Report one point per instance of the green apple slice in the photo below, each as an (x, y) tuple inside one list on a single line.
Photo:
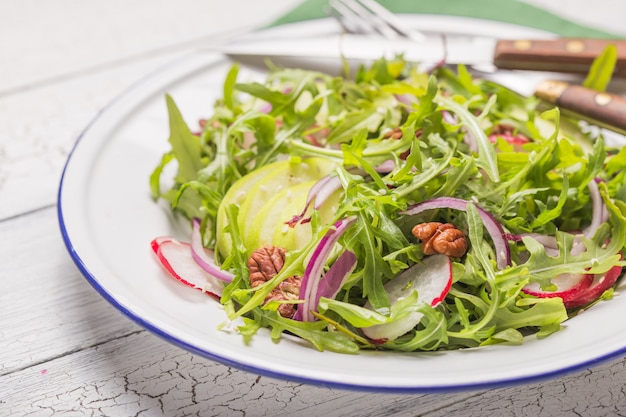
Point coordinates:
[(326, 212), (235, 195), (251, 197), (269, 225), (284, 176)]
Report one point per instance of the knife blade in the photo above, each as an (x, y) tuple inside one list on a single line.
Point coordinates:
[(569, 55), (485, 54)]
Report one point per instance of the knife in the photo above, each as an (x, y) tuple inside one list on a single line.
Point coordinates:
[(564, 55), (570, 55)]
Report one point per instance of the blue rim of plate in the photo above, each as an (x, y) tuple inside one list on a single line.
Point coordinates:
[(156, 330)]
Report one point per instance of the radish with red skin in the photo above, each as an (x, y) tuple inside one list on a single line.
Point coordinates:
[(601, 283), (517, 141), (569, 287), (177, 259), (432, 279), (577, 290)]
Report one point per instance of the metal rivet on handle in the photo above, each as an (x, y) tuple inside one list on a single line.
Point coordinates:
[(551, 90), (575, 46), (602, 99), (522, 45)]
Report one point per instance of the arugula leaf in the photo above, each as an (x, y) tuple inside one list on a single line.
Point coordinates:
[(602, 69), (155, 177), (314, 332), (486, 153), (185, 146)]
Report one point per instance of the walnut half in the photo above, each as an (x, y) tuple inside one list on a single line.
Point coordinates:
[(264, 264)]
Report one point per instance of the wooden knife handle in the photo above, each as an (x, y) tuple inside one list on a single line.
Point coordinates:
[(604, 109), (571, 55)]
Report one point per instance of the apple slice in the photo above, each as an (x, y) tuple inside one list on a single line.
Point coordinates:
[(235, 195), (177, 259), (252, 191), (285, 174), (326, 210), (269, 226), (432, 279)]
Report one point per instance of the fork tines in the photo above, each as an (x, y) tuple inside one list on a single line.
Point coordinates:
[(368, 16)]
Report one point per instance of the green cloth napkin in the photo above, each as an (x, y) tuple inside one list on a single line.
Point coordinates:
[(508, 11)]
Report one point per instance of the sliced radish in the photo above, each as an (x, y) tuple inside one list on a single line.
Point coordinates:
[(432, 279), (516, 140), (509, 134), (569, 286), (177, 259), (601, 283), (577, 290)]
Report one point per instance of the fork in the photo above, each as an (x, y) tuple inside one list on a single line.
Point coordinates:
[(368, 16)]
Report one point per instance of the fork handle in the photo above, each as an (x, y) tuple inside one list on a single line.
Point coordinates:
[(571, 55)]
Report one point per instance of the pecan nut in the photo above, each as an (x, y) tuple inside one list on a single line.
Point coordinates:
[(395, 133), (264, 264), (443, 238), (287, 290)]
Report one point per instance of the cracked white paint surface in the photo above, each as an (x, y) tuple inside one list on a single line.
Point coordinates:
[(64, 351)]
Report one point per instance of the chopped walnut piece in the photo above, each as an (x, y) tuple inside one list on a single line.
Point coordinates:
[(443, 238), (264, 264)]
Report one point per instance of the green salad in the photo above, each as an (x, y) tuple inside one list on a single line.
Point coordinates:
[(392, 209)]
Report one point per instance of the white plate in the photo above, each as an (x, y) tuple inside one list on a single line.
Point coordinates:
[(108, 220)]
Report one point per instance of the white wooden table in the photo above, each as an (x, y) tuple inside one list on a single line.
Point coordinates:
[(63, 349)]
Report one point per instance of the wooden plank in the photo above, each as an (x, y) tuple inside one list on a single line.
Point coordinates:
[(88, 36), (65, 349), (47, 308), (65, 70), (594, 392), (142, 375), (39, 127)]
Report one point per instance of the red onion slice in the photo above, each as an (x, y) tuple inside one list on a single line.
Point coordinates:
[(318, 194), (315, 268), (385, 167), (495, 230), (204, 257), (330, 284), (598, 208)]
